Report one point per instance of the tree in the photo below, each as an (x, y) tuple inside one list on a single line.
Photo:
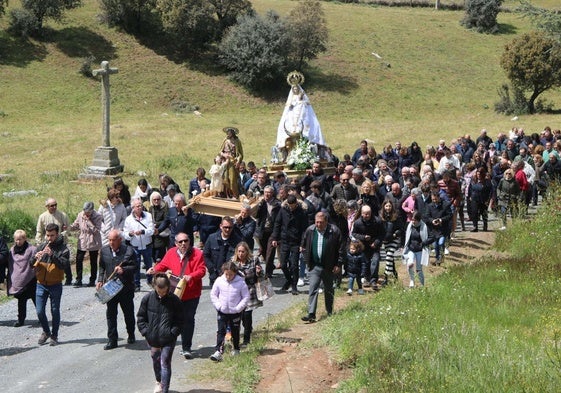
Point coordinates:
[(547, 21), (533, 63), (256, 50), (44, 9), (190, 22), (481, 15), (308, 31), (131, 15), (228, 11)]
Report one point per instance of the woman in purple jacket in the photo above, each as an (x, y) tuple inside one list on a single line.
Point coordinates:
[(22, 275)]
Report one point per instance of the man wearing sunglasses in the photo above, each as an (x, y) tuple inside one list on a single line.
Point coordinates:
[(220, 247), (187, 262)]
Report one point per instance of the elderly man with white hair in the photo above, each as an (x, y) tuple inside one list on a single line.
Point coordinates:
[(385, 188)]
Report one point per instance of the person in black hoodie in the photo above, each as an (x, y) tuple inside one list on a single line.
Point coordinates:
[(160, 320)]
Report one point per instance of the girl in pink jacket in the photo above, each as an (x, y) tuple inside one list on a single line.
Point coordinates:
[(229, 295)]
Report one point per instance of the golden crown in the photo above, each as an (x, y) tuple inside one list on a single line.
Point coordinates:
[(295, 78)]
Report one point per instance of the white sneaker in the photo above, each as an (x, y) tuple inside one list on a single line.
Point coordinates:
[(446, 251), (235, 352), (363, 280), (300, 282), (158, 388), (349, 291), (411, 284), (216, 356), (320, 290)]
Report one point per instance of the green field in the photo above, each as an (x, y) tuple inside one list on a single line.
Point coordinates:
[(442, 83)]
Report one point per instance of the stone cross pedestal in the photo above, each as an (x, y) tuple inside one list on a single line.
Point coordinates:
[(106, 158)]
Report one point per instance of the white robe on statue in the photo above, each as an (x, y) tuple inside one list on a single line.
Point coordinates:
[(299, 117)]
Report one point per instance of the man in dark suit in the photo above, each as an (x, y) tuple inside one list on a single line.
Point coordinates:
[(323, 250), (119, 259)]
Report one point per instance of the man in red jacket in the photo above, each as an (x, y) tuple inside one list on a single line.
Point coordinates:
[(185, 261)]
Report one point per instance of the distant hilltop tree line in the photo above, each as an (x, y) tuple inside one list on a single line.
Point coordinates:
[(257, 51)]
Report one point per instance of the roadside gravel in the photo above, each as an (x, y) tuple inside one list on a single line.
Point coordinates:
[(79, 363)]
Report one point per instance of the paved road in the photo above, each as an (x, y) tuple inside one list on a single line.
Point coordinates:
[(79, 363)]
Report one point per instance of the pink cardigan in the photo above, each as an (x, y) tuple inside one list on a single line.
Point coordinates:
[(408, 207)]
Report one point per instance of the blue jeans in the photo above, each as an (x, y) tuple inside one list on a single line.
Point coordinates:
[(374, 268), (189, 310), (161, 361), (42, 295), (438, 247), (302, 272), (145, 254)]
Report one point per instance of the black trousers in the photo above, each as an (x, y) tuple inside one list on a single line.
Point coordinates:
[(125, 299), (27, 293), (80, 265), (289, 259)]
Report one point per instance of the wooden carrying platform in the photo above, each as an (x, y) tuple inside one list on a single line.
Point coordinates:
[(221, 207)]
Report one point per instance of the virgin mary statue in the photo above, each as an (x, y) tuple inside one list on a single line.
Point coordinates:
[(298, 118)]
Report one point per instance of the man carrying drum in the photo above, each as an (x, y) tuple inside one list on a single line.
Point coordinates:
[(118, 259)]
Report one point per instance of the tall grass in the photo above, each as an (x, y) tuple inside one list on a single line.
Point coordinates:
[(478, 330), (484, 327), (536, 241)]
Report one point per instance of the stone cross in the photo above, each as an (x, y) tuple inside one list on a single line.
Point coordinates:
[(105, 71)]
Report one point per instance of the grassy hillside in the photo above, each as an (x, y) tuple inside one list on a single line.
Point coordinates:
[(442, 82)]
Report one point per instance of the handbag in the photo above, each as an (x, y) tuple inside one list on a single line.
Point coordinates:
[(264, 289)]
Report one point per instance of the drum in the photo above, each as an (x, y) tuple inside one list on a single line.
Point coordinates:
[(109, 290)]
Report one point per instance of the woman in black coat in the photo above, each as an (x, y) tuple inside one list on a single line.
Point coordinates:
[(159, 320)]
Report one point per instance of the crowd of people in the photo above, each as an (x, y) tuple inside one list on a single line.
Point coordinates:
[(332, 222)]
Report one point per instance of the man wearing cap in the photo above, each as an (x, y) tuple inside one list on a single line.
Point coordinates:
[(88, 223), (54, 216), (232, 151)]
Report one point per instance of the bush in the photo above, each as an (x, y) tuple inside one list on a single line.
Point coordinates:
[(86, 68), (16, 219), (256, 50), (508, 105), (23, 23), (481, 15), (132, 15)]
